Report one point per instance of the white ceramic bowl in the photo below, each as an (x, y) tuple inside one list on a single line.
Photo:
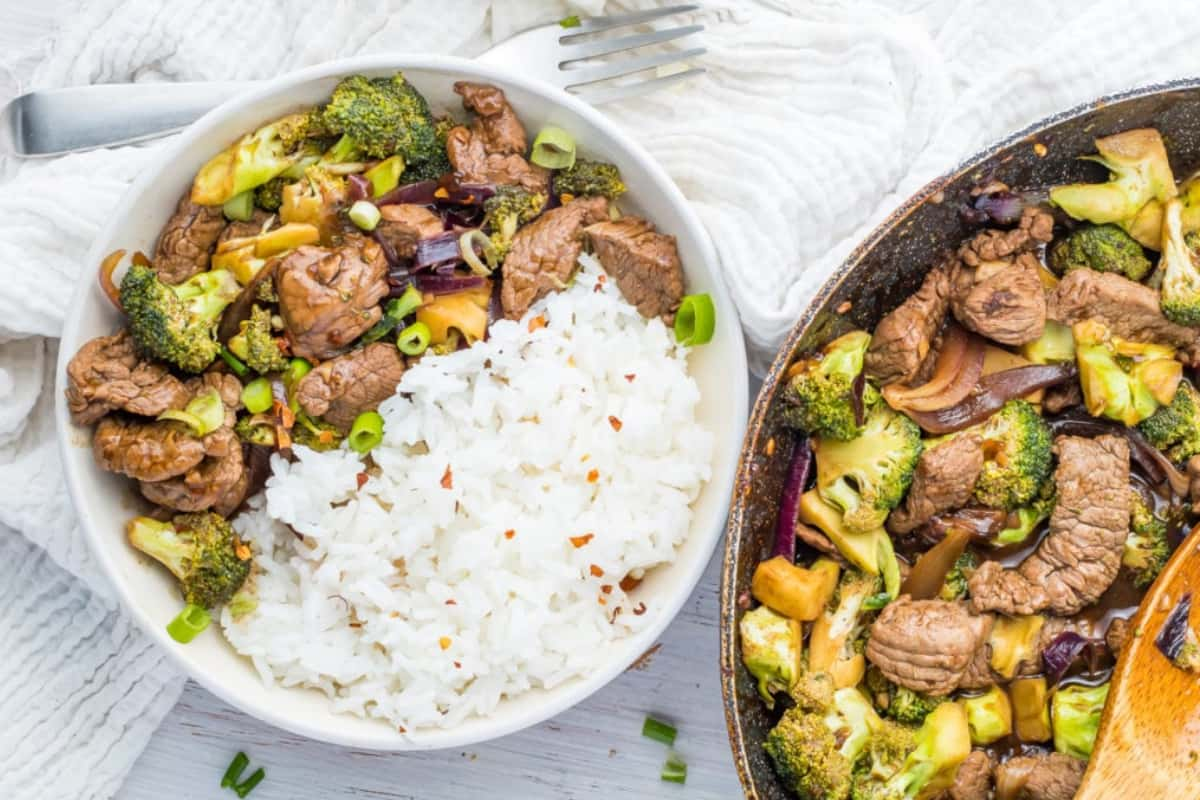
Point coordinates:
[(105, 501)]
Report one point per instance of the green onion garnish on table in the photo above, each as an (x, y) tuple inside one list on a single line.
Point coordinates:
[(695, 320), (658, 731), (234, 771), (190, 623), (675, 770), (245, 787)]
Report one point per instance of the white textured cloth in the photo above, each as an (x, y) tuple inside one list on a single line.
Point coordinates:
[(813, 120)]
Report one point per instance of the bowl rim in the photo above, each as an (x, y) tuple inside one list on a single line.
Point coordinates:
[(727, 602), (559, 698)]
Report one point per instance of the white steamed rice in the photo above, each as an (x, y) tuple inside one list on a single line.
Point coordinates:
[(409, 601)]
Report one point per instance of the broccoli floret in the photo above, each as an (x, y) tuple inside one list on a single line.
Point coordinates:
[(315, 434), (838, 637), (955, 587), (251, 161), (1179, 269), (265, 291), (1055, 345), (506, 211), (930, 765), (1028, 516), (771, 646), (1016, 456), (819, 388), (201, 551), (867, 477), (256, 345), (1140, 180), (385, 117), (1104, 248), (177, 324), (269, 196), (1147, 547), (1122, 380), (586, 177), (1175, 429), (871, 552), (258, 433), (1075, 711), (898, 702)]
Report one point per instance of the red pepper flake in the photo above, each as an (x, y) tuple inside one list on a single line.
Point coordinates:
[(616, 423), (508, 534), (629, 583), (402, 729), (440, 193), (596, 571), (593, 476), (580, 541), (631, 376), (599, 287), (602, 277), (447, 478), (241, 551), (600, 599), (444, 642), (641, 609), (536, 323), (844, 306), (362, 479), (457, 665), (771, 446), (394, 615), (325, 437), (606, 588), (451, 602)]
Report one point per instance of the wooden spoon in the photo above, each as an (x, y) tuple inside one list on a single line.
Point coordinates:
[(1149, 740)]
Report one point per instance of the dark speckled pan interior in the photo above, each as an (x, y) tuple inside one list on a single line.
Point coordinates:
[(874, 279)]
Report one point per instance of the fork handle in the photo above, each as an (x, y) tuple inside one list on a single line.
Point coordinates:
[(56, 121)]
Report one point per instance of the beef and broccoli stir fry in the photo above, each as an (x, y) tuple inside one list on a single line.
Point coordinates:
[(983, 488), (305, 269)]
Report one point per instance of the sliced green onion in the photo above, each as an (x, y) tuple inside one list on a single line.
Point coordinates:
[(181, 415), (297, 368), (675, 770), (658, 731), (240, 207), (553, 148), (366, 432), (234, 771), (256, 396), (569, 22), (190, 623), (244, 788), (364, 214), (385, 175), (695, 320), (467, 243), (394, 313), (204, 414), (876, 601), (237, 366), (414, 340)]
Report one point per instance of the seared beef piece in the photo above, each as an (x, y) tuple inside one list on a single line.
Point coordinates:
[(1129, 309), (495, 121), (210, 483), (1193, 474), (149, 451), (1035, 228), (492, 150), (402, 225), (242, 230), (817, 540), (1080, 557), (979, 673), (1051, 776), (1061, 397), (545, 253), (187, 240), (340, 389), (944, 480), (644, 263), (330, 297), (974, 778), (905, 338), (1117, 635), (926, 645), (231, 500), (107, 374)]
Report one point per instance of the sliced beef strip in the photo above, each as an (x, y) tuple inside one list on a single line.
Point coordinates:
[(1129, 309), (1081, 555), (644, 263), (979, 673), (492, 150), (1061, 397), (402, 225), (187, 240), (107, 374), (149, 451), (904, 339), (1117, 635), (545, 253), (340, 389), (210, 483), (1052, 776), (247, 228), (495, 121), (926, 645), (330, 297), (817, 540), (944, 480), (974, 778)]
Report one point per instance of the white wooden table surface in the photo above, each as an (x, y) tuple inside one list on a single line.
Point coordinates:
[(592, 751)]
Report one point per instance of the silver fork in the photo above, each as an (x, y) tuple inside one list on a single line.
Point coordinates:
[(566, 54)]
